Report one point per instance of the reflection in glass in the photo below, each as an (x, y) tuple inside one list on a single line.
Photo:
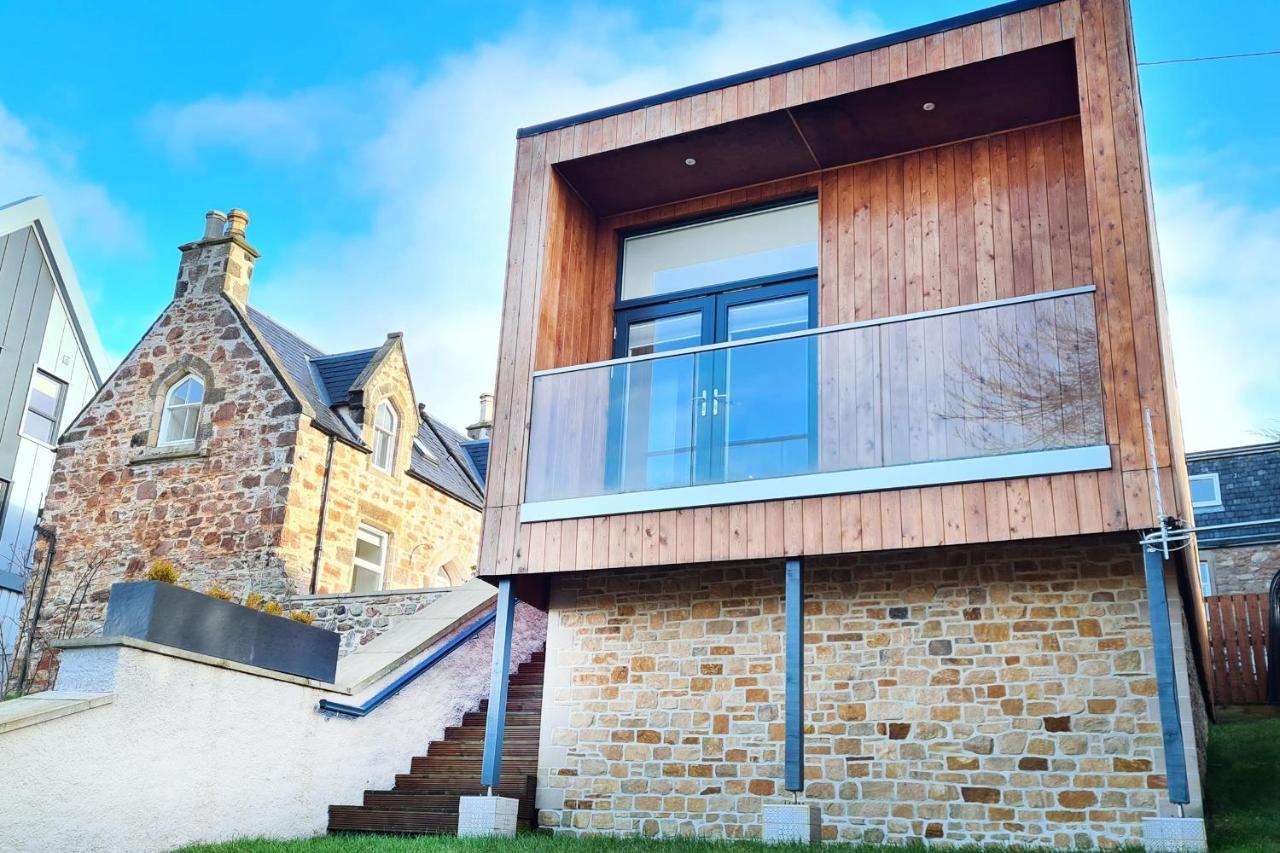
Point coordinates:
[(766, 395), (996, 380), (657, 438)]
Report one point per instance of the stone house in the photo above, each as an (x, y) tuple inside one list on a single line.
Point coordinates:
[(1231, 486), (251, 460)]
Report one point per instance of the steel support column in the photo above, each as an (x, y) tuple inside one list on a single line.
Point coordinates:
[(795, 676), (496, 722), (1175, 757)]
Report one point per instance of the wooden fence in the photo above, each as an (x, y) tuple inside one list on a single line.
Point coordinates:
[(1238, 634)]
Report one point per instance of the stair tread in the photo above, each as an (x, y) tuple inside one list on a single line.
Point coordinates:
[(424, 801)]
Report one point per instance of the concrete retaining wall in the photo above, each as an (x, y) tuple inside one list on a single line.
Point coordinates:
[(193, 751)]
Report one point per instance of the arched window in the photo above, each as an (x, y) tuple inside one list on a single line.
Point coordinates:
[(385, 428), (181, 411)]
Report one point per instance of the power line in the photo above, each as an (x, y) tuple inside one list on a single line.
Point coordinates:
[(1212, 58)]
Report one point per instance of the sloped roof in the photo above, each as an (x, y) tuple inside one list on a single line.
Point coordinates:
[(478, 453), (325, 381), (339, 372), (446, 465)]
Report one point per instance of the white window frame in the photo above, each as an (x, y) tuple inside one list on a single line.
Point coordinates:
[(380, 570), (166, 411), (1210, 505), (1206, 576), (57, 412), (381, 435)]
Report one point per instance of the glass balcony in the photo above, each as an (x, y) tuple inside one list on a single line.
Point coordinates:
[(1001, 389)]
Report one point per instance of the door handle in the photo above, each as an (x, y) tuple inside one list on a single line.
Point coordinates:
[(716, 397), (700, 400)]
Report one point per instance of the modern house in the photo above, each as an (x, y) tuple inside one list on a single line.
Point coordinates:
[(834, 408), (51, 362), (251, 460), (1232, 489)]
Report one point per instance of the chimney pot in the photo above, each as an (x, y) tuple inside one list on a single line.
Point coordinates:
[(215, 222), (237, 222)]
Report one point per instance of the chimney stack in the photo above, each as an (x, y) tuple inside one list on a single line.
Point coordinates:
[(220, 262), (483, 427)]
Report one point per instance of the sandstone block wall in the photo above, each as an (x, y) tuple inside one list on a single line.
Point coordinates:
[(999, 693), (429, 529), (1248, 568)]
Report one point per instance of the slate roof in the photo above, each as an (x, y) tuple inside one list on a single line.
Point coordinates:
[(324, 382), (338, 372), (478, 453), (1249, 481)]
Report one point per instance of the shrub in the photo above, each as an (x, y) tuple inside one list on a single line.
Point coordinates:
[(272, 607), (302, 616), (254, 600), (163, 571), (219, 592)]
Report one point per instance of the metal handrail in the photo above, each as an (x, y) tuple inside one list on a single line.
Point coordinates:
[(340, 709)]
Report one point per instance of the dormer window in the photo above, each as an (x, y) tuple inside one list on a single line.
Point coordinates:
[(182, 411), (385, 430)]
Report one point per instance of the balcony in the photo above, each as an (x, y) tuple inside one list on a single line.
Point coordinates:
[(1009, 388)]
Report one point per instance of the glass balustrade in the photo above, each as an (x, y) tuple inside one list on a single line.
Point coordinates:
[(1010, 378)]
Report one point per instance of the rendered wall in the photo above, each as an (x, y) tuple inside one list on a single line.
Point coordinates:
[(189, 752)]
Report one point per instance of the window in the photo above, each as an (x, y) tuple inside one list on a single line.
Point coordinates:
[(1206, 578), (424, 450), (181, 411), (1206, 492), (44, 405), (370, 560), (385, 422), (735, 248)]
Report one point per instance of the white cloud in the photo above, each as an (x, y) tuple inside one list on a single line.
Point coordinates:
[(287, 128), (32, 165), (436, 166), (1223, 283)]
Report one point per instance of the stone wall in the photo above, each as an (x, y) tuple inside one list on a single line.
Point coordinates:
[(428, 528), (361, 618), (1000, 693), (1247, 568), (117, 502)]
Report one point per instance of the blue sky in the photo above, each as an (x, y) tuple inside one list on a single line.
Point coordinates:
[(372, 145)]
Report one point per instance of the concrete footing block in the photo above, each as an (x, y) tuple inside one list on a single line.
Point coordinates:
[(487, 816), (792, 824), (1174, 835)]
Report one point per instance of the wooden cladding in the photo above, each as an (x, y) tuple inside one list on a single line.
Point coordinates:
[(1239, 639), (1033, 210)]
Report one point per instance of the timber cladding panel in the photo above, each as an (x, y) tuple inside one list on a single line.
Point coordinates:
[(1032, 210)]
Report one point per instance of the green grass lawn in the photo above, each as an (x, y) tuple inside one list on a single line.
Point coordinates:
[(1243, 789), (1243, 806)]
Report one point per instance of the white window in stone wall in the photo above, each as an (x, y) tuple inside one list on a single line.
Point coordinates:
[(385, 430), (44, 405), (370, 561), (1206, 578), (181, 411)]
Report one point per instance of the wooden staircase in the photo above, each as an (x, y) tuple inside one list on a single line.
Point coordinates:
[(425, 800)]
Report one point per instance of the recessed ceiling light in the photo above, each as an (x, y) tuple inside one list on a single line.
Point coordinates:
[(928, 106), (689, 161)]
